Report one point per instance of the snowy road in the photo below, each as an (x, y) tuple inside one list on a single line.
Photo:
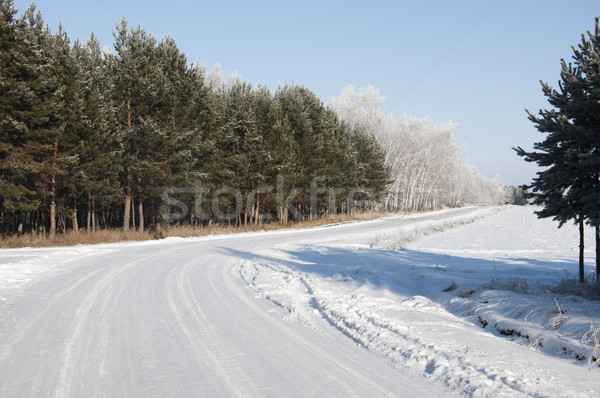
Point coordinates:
[(175, 319), (178, 318)]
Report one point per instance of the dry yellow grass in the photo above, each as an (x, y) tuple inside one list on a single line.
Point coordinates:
[(111, 236), (72, 239)]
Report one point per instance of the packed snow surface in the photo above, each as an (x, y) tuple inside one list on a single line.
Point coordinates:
[(455, 302)]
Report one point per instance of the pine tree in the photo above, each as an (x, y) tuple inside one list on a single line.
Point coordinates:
[(586, 116), (569, 189), (98, 149), (40, 113), (373, 174), (134, 92), (16, 109), (65, 133), (268, 162)]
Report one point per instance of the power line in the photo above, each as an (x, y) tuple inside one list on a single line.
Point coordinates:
[(444, 55), (110, 8)]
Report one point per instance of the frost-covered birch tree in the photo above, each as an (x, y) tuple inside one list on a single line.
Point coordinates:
[(428, 169)]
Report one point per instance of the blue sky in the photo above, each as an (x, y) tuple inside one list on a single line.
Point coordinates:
[(485, 58)]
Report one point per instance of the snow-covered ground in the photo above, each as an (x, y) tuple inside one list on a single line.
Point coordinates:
[(515, 263), (401, 306)]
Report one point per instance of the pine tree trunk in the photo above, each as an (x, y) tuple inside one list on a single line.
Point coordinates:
[(20, 222), (257, 219), (62, 223), (141, 212), (133, 214), (128, 202), (93, 216), (581, 246), (75, 224), (52, 230), (89, 213), (126, 213), (129, 182), (53, 192), (74, 214)]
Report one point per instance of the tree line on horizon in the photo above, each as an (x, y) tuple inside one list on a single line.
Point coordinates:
[(93, 139)]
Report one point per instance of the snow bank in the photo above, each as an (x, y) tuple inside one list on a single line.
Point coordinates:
[(509, 264)]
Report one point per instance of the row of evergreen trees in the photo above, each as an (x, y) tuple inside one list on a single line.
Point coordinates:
[(91, 139)]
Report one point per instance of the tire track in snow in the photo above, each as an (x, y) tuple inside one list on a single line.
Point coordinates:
[(304, 342), (203, 339), (13, 346), (105, 286)]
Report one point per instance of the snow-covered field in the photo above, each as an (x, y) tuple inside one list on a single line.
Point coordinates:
[(402, 306)]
